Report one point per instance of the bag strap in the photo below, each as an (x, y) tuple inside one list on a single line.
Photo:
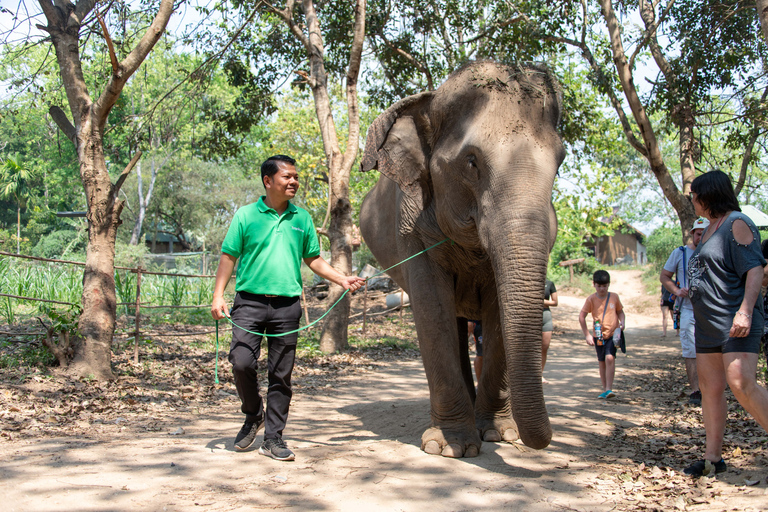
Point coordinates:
[(685, 272), (602, 322)]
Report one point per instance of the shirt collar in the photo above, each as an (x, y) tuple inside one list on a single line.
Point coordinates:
[(263, 208)]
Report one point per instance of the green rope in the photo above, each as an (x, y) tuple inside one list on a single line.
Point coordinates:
[(334, 304), (216, 368)]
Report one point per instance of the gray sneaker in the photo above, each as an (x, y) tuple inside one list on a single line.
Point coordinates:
[(277, 449), (247, 435)]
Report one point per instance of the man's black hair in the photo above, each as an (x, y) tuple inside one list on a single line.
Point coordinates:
[(271, 166), (714, 191), (601, 277)]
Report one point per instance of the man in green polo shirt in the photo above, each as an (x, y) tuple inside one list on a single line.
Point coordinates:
[(270, 237)]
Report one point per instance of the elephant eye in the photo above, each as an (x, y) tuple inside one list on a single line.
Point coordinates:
[(473, 171)]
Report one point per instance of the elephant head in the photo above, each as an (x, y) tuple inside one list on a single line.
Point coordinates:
[(475, 161)]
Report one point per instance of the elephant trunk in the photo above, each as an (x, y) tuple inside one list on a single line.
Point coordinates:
[(519, 249)]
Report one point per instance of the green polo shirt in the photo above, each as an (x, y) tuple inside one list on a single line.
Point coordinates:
[(270, 248)]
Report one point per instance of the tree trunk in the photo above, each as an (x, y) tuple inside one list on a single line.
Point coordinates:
[(136, 233), (687, 170), (762, 15), (92, 356), (144, 200), (334, 335), (97, 321)]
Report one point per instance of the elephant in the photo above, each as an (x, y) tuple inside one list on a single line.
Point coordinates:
[(473, 162)]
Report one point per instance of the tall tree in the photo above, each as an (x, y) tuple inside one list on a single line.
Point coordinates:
[(15, 183), (65, 23), (304, 24), (707, 48)]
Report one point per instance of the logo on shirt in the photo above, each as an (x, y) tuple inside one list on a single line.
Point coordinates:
[(696, 271), (297, 229)]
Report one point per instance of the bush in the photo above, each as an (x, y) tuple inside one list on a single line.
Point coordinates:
[(660, 245), (58, 243)]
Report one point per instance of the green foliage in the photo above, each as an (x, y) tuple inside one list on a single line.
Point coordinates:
[(309, 343), (15, 180), (25, 355), (62, 318), (125, 288), (59, 243), (660, 245), (6, 310)]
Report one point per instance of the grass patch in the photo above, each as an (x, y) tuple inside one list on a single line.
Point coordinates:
[(651, 283), (364, 343)]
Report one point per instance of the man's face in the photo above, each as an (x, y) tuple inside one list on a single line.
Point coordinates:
[(697, 236), (284, 184)]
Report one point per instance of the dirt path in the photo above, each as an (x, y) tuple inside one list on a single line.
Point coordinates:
[(357, 445)]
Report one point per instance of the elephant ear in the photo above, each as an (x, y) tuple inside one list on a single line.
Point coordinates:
[(398, 144)]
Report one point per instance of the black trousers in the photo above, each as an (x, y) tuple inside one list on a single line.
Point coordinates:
[(270, 315)]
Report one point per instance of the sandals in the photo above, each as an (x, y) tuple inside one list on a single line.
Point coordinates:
[(698, 468)]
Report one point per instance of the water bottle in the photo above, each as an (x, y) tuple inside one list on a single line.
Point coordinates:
[(598, 332)]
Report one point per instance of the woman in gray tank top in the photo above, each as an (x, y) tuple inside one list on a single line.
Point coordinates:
[(725, 273)]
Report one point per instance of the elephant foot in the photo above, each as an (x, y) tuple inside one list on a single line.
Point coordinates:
[(451, 443), (498, 429)]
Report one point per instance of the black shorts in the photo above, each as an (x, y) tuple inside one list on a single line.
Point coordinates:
[(667, 304), (749, 344), (606, 348)]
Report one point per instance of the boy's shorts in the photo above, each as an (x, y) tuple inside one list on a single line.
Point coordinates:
[(607, 347)]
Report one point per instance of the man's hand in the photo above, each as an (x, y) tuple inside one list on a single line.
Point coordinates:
[(219, 308), (590, 340), (352, 283), (682, 292)]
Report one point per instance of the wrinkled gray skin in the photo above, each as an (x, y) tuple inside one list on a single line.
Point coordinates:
[(475, 162)]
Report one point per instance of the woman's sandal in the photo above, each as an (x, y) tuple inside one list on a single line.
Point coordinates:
[(699, 468)]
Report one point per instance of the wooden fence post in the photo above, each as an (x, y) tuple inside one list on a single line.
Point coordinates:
[(306, 311), (138, 313), (570, 264)]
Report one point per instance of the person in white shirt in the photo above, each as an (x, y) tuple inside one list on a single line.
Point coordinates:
[(677, 264)]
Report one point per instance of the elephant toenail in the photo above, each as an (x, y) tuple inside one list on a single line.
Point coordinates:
[(432, 447)]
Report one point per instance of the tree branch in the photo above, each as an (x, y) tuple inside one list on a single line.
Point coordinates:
[(353, 72), (126, 171), (410, 58), (60, 118), (112, 56), (129, 65)]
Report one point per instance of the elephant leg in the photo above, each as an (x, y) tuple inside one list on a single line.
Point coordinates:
[(453, 432), (493, 409), (466, 364)]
